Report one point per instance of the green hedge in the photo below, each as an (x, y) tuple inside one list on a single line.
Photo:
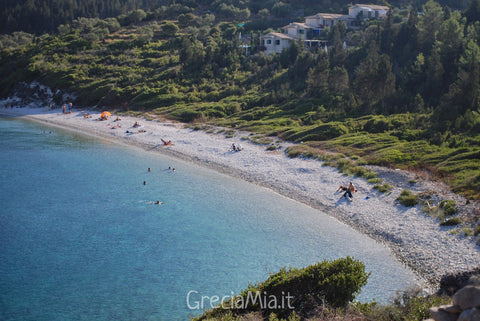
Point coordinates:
[(335, 283)]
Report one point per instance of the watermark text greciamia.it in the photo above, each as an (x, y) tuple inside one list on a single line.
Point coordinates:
[(197, 301)]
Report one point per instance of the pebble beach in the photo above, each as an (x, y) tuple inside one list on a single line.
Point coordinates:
[(416, 238)]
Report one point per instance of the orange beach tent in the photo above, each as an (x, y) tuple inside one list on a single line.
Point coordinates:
[(105, 114)]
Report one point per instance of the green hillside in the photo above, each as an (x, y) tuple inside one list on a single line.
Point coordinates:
[(39, 16), (403, 93)]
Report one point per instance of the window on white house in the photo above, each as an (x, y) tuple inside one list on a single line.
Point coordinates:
[(269, 42), (277, 42)]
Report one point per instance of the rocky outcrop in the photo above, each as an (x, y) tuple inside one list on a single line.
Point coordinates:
[(465, 304), (451, 283)]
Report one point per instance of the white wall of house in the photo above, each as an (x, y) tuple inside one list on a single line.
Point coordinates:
[(313, 21), (368, 11), (275, 42), (296, 30)]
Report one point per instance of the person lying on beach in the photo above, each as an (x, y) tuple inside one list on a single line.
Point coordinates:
[(116, 126), (117, 119), (87, 115), (142, 131), (136, 125), (167, 143)]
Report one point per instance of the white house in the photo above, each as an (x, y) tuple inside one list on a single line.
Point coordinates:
[(368, 11), (355, 12), (322, 20), (275, 42), (296, 30)]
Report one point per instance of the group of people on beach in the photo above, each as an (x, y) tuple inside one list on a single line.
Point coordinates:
[(67, 109), (135, 125)]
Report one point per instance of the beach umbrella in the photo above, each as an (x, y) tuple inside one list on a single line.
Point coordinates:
[(105, 114)]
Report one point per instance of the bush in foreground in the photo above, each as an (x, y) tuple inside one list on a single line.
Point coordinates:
[(409, 305), (293, 292)]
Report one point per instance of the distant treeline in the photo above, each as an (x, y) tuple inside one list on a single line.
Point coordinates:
[(39, 16)]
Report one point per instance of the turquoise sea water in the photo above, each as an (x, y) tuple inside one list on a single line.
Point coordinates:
[(80, 239)]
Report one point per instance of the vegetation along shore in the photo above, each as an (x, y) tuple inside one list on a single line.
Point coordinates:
[(390, 101)]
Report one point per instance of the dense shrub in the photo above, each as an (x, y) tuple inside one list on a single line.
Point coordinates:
[(449, 207), (383, 188), (377, 124), (407, 198), (187, 116), (335, 283), (451, 221), (320, 132)]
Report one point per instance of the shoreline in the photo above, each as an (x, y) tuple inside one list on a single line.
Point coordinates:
[(415, 238)]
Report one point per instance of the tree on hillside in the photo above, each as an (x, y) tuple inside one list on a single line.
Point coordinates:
[(464, 93), (169, 29), (374, 81), (428, 25), (192, 54), (473, 12), (434, 72), (338, 81), (317, 79), (450, 43), (405, 46), (337, 53)]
